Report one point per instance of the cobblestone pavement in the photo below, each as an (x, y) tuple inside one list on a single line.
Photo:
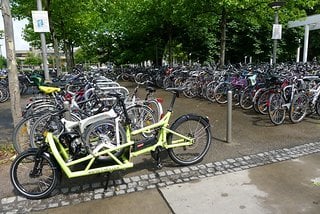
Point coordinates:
[(87, 192)]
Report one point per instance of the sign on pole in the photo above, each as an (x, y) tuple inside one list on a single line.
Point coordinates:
[(276, 31), (40, 21)]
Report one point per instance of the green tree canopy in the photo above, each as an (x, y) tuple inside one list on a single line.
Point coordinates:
[(133, 31)]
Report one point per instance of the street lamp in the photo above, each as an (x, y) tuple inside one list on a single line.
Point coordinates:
[(276, 5)]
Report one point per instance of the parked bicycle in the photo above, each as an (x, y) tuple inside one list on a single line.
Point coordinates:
[(35, 173)]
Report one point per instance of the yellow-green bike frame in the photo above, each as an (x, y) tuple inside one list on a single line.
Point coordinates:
[(62, 156)]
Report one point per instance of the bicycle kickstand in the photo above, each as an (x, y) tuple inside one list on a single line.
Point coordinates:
[(108, 174), (157, 157)]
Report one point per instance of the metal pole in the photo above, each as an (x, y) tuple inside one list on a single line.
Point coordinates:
[(306, 42), (275, 41), (43, 48), (298, 53), (229, 118), (66, 106)]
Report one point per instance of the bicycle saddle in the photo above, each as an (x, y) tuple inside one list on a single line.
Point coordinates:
[(49, 90)]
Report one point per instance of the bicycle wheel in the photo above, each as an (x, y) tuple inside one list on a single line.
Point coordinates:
[(141, 116), (256, 98), (246, 99), (51, 122), (103, 135), (168, 82), (317, 104), (221, 92), (277, 112), (21, 134), (298, 108), (263, 102), (4, 94), (195, 127), (155, 107), (210, 91), (34, 175), (190, 91)]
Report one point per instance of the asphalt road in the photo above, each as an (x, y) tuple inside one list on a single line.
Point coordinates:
[(251, 133)]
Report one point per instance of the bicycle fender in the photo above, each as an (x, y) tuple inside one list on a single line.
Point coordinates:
[(187, 116), (47, 154)]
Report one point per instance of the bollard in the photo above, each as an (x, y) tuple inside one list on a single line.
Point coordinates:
[(67, 114), (229, 118)]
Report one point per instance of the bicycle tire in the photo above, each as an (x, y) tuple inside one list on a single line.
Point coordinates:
[(48, 121), (4, 94), (263, 102), (192, 126), (190, 91), (246, 98), (221, 92), (39, 185), (256, 98), (141, 116), (156, 108), (101, 135), (167, 82), (277, 112), (210, 91), (39, 109), (318, 106), (21, 134), (298, 108)]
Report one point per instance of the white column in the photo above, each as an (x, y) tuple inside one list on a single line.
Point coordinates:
[(306, 41)]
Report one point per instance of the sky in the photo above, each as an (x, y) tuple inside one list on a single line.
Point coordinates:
[(20, 44)]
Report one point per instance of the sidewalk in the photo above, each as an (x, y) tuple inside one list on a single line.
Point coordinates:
[(291, 186), (278, 181)]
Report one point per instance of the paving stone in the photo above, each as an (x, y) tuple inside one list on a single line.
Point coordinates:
[(161, 185), (126, 180), (130, 190), (98, 196), (169, 172), (162, 174), (135, 178), (152, 175), (108, 194), (53, 205), (99, 191), (8, 200), (177, 171), (139, 188), (185, 169), (152, 186), (66, 203)]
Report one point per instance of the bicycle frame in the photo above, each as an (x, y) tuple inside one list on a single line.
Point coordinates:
[(61, 154)]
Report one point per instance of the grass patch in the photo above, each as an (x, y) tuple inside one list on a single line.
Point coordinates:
[(7, 153)]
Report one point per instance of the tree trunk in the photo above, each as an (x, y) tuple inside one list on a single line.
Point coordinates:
[(57, 60), (56, 53), (68, 56), (170, 50), (12, 63), (223, 28)]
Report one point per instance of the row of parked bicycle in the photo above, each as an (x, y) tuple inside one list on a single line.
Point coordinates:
[(274, 91), (86, 97), (292, 89)]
